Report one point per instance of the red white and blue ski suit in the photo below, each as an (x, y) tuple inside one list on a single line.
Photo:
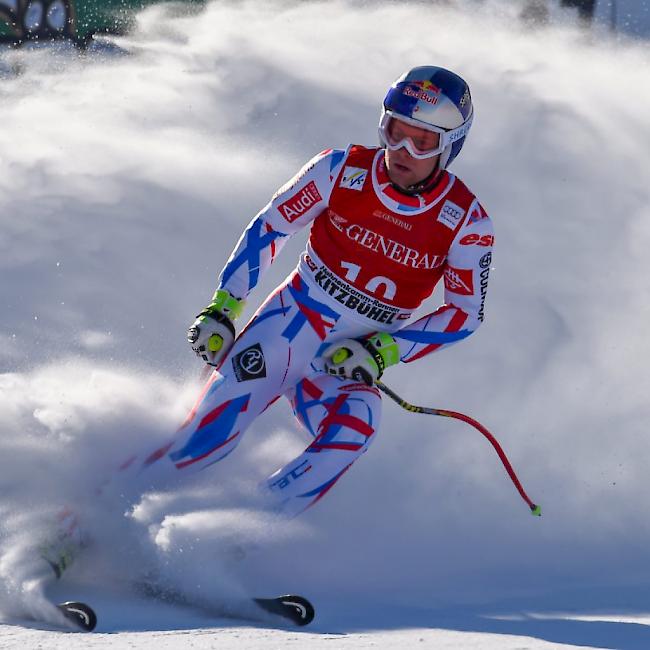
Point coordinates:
[(374, 255)]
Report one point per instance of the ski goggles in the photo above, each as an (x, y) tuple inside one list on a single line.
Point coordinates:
[(418, 139)]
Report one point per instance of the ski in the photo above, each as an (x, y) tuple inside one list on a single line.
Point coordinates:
[(296, 609), (80, 614)]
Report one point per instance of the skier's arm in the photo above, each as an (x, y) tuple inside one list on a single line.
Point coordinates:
[(466, 277), (293, 207)]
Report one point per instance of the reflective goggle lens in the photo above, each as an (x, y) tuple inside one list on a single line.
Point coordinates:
[(419, 142), (422, 140)]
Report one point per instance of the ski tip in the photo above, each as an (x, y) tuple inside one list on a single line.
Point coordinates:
[(80, 614), (536, 510)]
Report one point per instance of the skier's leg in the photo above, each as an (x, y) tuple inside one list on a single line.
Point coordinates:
[(342, 416), (270, 355)]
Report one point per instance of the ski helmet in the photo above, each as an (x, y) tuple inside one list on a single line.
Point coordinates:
[(434, 99)]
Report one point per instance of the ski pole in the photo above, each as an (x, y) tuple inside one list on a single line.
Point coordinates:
[(534, 508)]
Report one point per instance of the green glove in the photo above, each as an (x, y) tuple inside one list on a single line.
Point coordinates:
[(213, 333), (363, 359)]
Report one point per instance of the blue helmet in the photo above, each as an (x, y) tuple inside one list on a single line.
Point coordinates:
[(434, 99)]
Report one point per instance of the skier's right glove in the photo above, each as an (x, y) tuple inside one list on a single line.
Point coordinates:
[(213, 333)]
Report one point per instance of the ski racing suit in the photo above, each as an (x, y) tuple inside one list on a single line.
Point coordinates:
[(374, 254)]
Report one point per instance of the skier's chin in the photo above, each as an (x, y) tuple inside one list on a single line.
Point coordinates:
[(402, 176), (405, 172)]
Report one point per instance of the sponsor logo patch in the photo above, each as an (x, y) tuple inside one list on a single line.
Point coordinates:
[(392, 219), (300, 202), (353, 178), (476, 239), (450, 215), (423, 90), (459, 281), (249, 363), (343, 293), (485, 274), (288, 478), (388, 248)]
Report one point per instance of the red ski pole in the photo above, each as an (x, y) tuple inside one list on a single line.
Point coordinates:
[(534, 508)]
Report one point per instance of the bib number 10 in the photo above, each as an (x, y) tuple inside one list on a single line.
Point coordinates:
[(374, 284)]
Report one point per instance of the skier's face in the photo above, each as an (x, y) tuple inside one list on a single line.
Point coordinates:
[(403, 169)]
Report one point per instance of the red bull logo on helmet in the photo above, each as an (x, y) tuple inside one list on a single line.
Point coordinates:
[(423, 90)]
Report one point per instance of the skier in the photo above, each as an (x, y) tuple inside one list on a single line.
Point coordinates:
[(387, 224)]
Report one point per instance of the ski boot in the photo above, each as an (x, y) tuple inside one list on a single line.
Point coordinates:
[(60, 550)]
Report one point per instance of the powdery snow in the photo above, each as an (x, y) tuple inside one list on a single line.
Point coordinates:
[(125, 183)]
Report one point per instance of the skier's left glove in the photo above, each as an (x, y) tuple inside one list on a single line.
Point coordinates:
[(213, 332), (362, 359)]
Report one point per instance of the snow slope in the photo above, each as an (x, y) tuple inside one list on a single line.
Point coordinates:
[(124, 184)]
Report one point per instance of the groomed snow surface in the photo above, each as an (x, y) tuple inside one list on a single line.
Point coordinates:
[(125, 182)]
